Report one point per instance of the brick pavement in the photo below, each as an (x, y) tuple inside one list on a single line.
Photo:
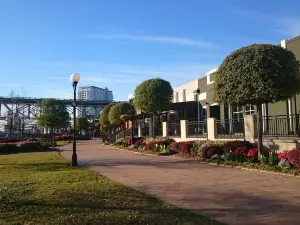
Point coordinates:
[(229, 195)]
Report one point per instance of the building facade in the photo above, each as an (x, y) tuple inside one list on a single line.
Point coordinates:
[(92, 93), (210, 108)]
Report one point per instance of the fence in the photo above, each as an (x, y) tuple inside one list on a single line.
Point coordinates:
[(281, 126), (174, 129), (158, 129), (230, 129), (145, 130), (197, 129)]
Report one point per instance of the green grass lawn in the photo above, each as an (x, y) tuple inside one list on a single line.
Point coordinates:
[(62, 143), (41, 188)]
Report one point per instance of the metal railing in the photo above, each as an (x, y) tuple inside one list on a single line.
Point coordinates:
[(158, 129), (145, 130), (174, 129), (196, 129), (230, 128), (281, 126)]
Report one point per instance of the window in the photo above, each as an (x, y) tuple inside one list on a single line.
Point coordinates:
[(237, 113), (250, 109)]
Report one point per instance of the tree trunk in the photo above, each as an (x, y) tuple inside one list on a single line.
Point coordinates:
[(53, 132), (153, 126), (259, 131)]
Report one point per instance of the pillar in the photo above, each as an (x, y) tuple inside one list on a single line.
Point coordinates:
[(211, 129), (183, 129), (250, 123), (140, 129), (165, 129)]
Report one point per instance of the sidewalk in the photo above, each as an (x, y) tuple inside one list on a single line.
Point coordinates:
[(229, 195)]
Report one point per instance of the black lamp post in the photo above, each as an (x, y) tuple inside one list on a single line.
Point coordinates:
[(75, 77)]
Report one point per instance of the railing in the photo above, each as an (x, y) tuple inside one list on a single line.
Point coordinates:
[(174, 129), (197, 129), (158, 129), (281, 126), (125, 133), (145, 130), (230, 129)]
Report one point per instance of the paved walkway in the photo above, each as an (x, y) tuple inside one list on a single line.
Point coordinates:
[(229, 195)]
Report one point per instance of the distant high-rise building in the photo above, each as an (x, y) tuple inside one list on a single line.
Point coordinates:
[(92, 93)]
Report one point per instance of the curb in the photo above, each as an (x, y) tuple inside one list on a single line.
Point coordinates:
[(249, 169)]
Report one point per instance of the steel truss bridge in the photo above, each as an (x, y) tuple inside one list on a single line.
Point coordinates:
[(28, 108)]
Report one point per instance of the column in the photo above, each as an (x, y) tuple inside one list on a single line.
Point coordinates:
[(183, 129), (211, 129), (140, 129), (250, 126), (165, 129), (290, 120)]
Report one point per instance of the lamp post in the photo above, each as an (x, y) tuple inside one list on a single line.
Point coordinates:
[(74, 79), (197, 93)]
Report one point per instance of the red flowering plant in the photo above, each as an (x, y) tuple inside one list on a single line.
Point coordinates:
[(283, 155), (241, 150), (253, 154), (294, 157)]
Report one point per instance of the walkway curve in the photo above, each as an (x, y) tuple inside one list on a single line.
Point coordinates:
[(229, 195)]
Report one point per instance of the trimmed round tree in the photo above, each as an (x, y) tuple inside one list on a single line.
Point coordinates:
[(257, 74), (118, 110), (152, 96), (104, 121)]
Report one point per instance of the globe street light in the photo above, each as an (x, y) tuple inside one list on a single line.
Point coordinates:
[(74, 79)]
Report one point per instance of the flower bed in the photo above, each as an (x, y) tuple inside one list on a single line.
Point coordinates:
[(233, 153)]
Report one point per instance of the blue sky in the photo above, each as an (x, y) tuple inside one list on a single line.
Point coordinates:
[(117, 43)]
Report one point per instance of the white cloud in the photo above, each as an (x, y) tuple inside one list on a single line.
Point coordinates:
[(288, 25), (181, 41)]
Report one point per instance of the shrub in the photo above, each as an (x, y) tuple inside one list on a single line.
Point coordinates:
[(196, 150), (294, 157), (119, 141), (45, 144), (199, 146), (149, 146), (174, 146), (8, 148), (241, 150), (168, 141), (26, 146), (284, 163), (233, 145), (273, 159), (185, 147), (211, 150), (264, 159), (283, 155), (138, 143), (253, 154), (215, 157)]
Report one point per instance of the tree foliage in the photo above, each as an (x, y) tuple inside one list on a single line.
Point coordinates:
[(257, 74), (153, 95), (53, 114), (118, 110), (82, 123), (104, 121)]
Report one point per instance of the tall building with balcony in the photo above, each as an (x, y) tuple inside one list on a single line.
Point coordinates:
[(92, 93)]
